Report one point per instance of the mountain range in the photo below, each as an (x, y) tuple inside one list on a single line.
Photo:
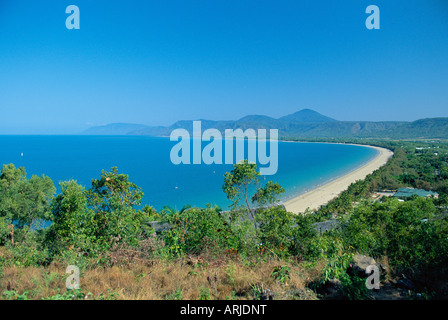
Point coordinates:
[(305, 123)]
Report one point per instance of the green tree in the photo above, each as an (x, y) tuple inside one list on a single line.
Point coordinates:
[(74, 224), (275, 225), (24, 201), (113, 199), (237, 184), (303, 237), (269, 194), (242, 181), (196, 229)]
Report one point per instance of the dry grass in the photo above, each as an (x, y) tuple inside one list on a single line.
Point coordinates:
[(190, 278)]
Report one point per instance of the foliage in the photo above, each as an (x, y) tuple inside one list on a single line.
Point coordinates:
[(12, 295), (29, 254), (336, 267), (275, 229), (243, 181), (410, 233), (105, 224), (353, 287), (268, 194), (204, 294), (23, 202), (281, 274), (191, 227), (80, 294), (176, 295), (113, 199), (74, 224), (91, 221), (237, 184)]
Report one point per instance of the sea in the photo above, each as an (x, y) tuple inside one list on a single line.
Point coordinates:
[(302, 166)]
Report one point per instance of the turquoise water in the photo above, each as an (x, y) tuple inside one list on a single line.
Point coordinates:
[(301, 166)]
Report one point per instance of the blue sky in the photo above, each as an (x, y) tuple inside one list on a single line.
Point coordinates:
[(155, 62)]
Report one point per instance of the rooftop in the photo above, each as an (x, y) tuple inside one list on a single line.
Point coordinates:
[(409, 192)]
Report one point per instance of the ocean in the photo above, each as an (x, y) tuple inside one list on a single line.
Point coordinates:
[(301, 166)]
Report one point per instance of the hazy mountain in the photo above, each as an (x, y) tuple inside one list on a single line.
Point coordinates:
[(305, 123), (430, 128), (115, 129), (307, 115), (340, 129)]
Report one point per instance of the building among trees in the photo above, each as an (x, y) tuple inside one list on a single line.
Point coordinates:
[(409, 192)]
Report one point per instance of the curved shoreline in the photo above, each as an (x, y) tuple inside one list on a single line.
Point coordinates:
[(315, 198)]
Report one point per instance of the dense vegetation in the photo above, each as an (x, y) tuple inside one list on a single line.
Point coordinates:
[(237, 254)]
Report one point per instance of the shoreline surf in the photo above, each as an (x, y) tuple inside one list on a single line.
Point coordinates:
[(317, 197)]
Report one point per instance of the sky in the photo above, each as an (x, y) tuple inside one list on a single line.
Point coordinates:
[(156, 62)]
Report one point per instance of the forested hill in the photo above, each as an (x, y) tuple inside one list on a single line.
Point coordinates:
[(302, 124)]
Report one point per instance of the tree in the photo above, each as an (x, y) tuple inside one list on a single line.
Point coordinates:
[(93, 220), (113, 198), (197, 229), (34, 200), (276, 229), (237, 184), (10, 178), (24, 201), (269, 194), (242, 181), (4, 230), (74, 224)]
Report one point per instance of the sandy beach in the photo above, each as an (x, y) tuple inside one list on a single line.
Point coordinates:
[(322, 195)]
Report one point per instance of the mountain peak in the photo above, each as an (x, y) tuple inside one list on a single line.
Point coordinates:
[(307, 115)]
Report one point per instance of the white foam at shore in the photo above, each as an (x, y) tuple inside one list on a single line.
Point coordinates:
[(322, 195)]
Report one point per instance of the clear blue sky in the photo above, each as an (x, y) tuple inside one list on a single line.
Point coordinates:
[(155, 62)]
